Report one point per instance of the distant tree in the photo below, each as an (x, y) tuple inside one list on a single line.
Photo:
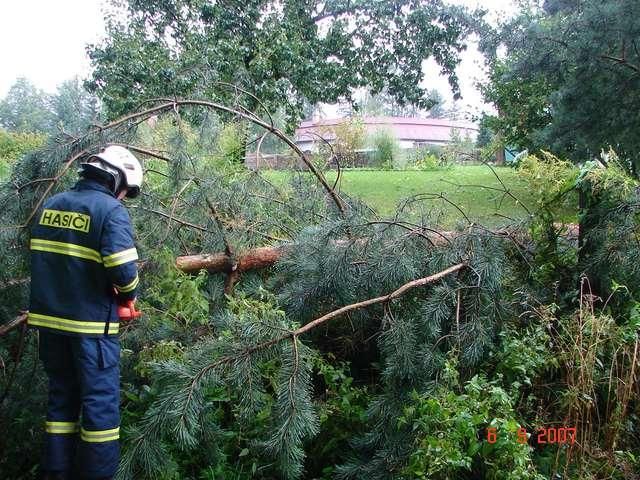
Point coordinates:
[(28, 109), (25, 108), (74, 107), (282, 52), (438, 108), (570, 80), (384, 104), (485, 132), (349, 136)]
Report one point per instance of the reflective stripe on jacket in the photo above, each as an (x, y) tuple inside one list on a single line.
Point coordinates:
[(81, 249)]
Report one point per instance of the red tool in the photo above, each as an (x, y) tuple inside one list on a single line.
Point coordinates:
[(127, 311)]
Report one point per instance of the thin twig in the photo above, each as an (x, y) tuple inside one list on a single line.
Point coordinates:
[(19, 320), (173, 218), (171, 105)]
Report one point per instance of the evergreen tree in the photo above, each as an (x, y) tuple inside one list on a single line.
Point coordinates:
[(569, 80), (26, 109)]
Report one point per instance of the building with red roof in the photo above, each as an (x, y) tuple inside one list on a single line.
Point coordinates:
[(409, 132)]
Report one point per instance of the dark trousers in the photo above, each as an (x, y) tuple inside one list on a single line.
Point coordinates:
[(83, 413)]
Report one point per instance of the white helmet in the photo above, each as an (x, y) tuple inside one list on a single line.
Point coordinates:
[(120, 165)]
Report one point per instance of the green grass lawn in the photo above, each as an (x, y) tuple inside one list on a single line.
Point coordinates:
[(469, 187)]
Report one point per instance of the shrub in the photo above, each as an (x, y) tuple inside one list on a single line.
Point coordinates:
[(15, 144), (349, 137), (387, 150), (453, 436)]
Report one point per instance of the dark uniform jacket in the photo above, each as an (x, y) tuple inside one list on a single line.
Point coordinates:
[(81, 249)]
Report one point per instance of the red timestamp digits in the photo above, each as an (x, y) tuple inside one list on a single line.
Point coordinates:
[(560, 435), (544, 435)]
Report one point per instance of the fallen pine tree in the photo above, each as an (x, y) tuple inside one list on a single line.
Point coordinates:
[(262, 380), (264, 257)]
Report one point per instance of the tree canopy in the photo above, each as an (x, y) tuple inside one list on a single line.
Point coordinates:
[(570, 78), (383, 104), (284, 53), (74, 107), (26, 108)]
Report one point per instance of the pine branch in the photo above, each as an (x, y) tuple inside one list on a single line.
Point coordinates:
[(14, 283), (52, 183), (330, 316), (19, 320), (383, 299), (170, 105)]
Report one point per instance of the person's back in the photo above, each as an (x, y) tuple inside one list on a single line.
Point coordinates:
[(71, 291), (82, 266)]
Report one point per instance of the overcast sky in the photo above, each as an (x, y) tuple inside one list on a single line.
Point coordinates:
[(45, 41)]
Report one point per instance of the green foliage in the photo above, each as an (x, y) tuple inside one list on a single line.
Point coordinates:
[(550, 180), (284, 56), (552, 186), (611, 184), (15, 144), (426, 160), (162, 351), (569, 82), (609, 223), (524, 105), (342, 409), (387, 149), (22, 409), (231, 143), (214, 386), (26, 109), (449, 427), (485, 133), (176, 296), (524, 355)]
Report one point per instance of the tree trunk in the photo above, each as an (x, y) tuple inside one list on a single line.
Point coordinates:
[(500, 157), (589, 220), (261, 257)]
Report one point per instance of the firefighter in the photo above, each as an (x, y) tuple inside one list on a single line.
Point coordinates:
[(82, 268)]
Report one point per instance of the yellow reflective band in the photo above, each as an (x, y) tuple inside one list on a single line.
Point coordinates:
[(65, 249), (61, 427), (98, 436), (119, 258), (129, 287), (68, 325)]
